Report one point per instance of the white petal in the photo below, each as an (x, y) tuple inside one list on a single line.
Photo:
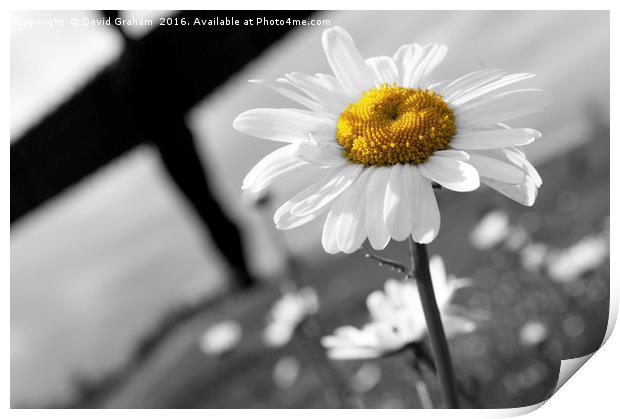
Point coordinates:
[(355, 336), (281, 154), (377, 306), (533, 173), (285, 219), (515, 156), (351, 225), (524, 193), (427, 218), (329, 238), (302, 100), (287, 125), (438, 271), (323, 154), (496, 169), (410, 186), (403, 57), (422, 64), (347, 336), (394, 293), (461, 99), (452, 154), (397, 210), (392, 335), (378, 234), (275, 173), (468, 83), (331, 189), (332, 341), (345, 61), (353, 353), (317, 90), (502, 107), (384, 70), (413, 326), (455, 325), (497, 138), (413, 304), (332, 84), (458, 283), (274, 165), (437, 86), (443, 292), (452, 174)]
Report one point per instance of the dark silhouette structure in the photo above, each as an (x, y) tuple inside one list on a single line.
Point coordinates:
[(143, 97)]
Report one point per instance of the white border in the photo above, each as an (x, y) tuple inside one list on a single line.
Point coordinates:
[(593, 392)]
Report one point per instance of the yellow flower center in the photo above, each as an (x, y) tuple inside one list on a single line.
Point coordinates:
[(391, 124)]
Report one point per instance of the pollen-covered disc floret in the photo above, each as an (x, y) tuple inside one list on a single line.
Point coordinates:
[(392, 124)]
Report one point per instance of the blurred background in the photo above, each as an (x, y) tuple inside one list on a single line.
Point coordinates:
[(121, 261)]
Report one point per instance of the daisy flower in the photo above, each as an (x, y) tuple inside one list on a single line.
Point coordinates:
[(384, 132), (491, 230), (221, 338), (584, 256), (288, 312), (397, 318)]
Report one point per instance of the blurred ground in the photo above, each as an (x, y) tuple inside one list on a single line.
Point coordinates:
[(496, 362), (78, 276)]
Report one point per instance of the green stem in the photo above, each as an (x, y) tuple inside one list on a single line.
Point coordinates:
[(436, 334)]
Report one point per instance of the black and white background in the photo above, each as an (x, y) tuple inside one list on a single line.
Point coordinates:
[(117, 264)]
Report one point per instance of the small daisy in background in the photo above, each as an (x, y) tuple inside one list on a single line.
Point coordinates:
[(221, 338), (492, 229), (586, 255), (287, 313), (397, 318), (561, 265), (385, 133)]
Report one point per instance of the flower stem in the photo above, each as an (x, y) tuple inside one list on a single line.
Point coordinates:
[(399, 267), (420, 386), (437, 336), (420, 352)]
